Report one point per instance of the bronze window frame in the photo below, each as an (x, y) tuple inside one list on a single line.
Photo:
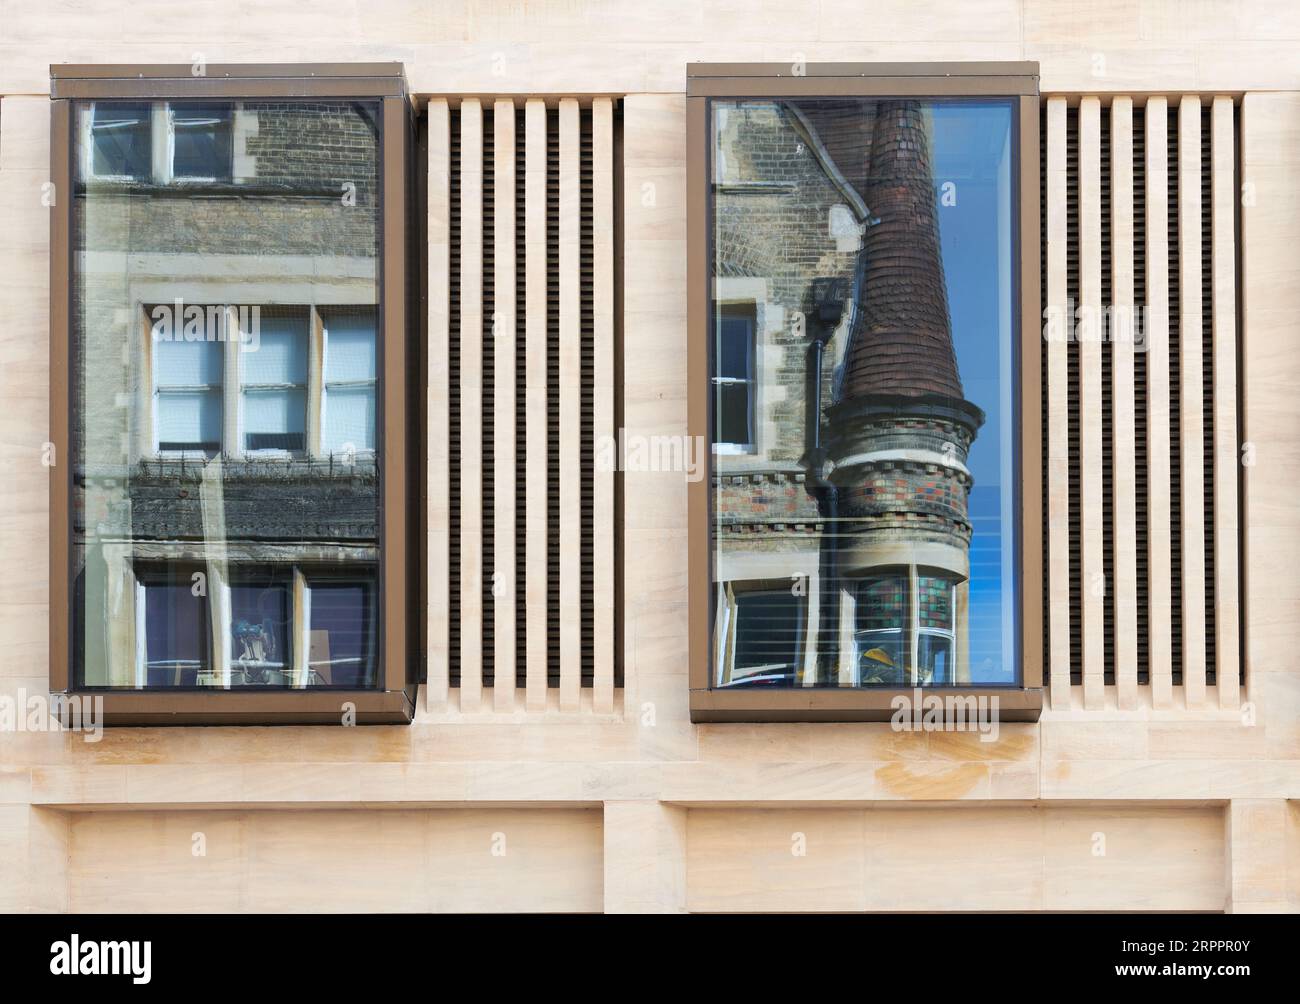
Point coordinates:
[(393, 699), (1014, 80)]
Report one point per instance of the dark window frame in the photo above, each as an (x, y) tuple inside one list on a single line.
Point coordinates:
[(1017, 81), (150, 574), (143, 172), (734, 593), (224, 134), (393, 698)]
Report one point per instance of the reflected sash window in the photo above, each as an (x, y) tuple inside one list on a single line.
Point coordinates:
[(187, 393), (274, 387), (733, 380), (348, 399), (201, 141), (121, 141)]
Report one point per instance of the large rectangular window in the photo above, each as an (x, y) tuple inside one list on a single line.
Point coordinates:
[(236, 284), (187, 381), (871, 381)]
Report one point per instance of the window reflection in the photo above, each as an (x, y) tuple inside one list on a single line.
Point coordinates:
[(187, 380), (765, 638), (201, 141), (177, 637), (350, 379), (274, 383), (342, 634), (861, 385), (734, 379), (224, 382), (261, 604), (121, 141)]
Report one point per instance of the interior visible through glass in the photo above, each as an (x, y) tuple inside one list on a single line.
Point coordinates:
[(224, 334), (862, 373)]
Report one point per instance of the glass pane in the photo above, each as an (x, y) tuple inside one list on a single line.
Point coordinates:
[(201, 145), (769, 637), (120, 141), (349, 419), (935, 658), (883, 604), (349, 345), (871, 241), (735, 345), (260, 606), (273, 419), (156, 374), (180, 363), (934, 602), (883, 658), (341, 641), (177, 640), (350, 370), (731, 413), (277, 352), (189, 420)]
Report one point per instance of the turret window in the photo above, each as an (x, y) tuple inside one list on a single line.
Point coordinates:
[(905, 632)]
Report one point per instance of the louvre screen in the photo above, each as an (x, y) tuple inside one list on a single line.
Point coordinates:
[(1162, 607), (527, 213)]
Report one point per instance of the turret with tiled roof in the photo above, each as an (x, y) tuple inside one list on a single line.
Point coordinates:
[(901, 428)]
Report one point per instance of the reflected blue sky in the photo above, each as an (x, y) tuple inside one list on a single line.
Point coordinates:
[(970, 152)]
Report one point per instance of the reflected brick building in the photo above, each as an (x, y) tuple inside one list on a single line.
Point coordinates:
[(224, 419)]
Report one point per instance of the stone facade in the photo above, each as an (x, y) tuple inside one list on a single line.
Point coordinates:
[(641, 810)]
